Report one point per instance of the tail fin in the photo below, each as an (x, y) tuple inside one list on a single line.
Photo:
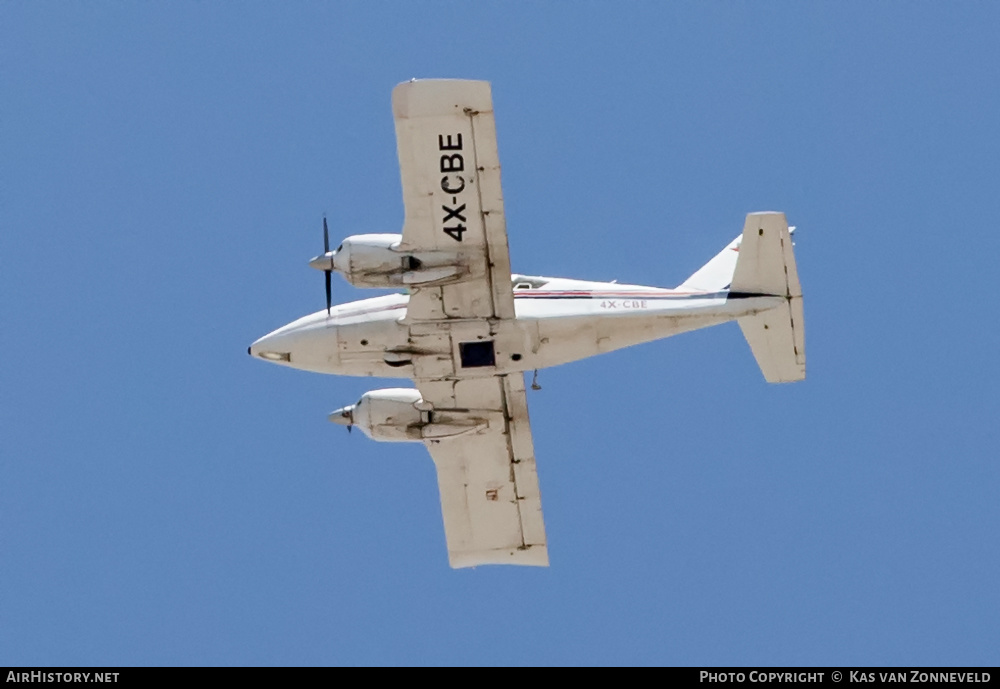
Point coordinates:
[(715, 275), (765, 264)]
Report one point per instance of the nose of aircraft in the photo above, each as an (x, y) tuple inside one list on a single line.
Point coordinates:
[(309, 344), (269, 347)]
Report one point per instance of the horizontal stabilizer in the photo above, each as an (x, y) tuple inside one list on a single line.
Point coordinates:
[(776, 338)]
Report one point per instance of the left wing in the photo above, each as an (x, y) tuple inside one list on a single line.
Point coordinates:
[(489, 489), (446, 138)]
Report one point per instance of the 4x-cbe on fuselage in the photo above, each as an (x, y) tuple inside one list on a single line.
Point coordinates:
[(557, 321)]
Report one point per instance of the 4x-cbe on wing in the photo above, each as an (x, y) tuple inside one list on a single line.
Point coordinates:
[(450, 170)]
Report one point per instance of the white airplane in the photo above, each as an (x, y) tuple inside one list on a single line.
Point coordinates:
[(467, 330)]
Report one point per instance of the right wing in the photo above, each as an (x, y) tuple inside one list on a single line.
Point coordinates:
[(489, 488)]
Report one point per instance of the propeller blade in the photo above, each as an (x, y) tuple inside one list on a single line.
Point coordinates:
[(329, 298), (326, 250)]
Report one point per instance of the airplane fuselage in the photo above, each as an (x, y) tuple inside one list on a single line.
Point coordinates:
[(464, 334), (558, 322)]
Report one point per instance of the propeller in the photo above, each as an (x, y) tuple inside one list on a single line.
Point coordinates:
[(327, 272), (343, 417), (324, 262)]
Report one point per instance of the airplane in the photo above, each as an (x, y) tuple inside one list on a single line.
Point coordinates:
[(466, 330)]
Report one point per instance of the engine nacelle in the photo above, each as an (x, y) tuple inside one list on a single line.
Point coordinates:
[(399, 415), (377, 260)]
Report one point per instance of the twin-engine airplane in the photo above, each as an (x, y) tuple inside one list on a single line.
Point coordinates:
[(468, 330)]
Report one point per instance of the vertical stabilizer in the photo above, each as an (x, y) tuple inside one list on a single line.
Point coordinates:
[(715, 275)]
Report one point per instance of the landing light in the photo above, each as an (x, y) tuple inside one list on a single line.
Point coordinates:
[(276, 356)]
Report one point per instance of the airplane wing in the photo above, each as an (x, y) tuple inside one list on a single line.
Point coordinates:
[(489, 489), (446, 138)]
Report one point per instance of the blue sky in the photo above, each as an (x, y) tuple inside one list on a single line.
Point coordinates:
[(166, 500)]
